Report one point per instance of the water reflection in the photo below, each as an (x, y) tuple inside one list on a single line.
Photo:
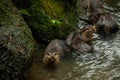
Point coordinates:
[(112, 3), (102, 64)]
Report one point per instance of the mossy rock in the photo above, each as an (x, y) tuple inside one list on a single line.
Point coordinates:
[(49, 19), (16, 43)]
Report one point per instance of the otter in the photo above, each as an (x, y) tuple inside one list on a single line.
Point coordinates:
[(80, 40), (105, 22), (55, 50)]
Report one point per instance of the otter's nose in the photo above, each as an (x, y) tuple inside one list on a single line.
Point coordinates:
[(52, 57)]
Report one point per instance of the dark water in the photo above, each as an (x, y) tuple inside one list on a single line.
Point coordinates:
[(102, 64)]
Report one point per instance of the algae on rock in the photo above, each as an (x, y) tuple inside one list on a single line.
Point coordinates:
[(16, 43), (50, 19)]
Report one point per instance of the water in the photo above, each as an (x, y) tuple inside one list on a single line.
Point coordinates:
[(102, 64)]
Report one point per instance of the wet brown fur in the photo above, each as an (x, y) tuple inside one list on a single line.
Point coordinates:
[(54, 51), (79, 40), (105, 22)]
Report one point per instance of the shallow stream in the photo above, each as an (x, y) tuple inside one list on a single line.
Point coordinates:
[(102, 64)]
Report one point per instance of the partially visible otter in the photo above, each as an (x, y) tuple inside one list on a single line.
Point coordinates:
[(105, 22), (80, 40), (54, 51), (94, 8)]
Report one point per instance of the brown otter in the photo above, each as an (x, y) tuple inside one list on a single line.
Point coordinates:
[(54, 51), (79, 40), (105, 22)]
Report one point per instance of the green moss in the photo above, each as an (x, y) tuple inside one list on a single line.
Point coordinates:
[(24, 11), (17, 42), (52, 7), (50, 19)]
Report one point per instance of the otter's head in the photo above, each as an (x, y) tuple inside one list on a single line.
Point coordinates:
[(106, 25), (87, 33), (51, 59)]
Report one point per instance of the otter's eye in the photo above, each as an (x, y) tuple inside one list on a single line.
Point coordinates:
[(55, 54)]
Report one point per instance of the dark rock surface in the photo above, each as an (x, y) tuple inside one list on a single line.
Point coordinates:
[(16, 43)]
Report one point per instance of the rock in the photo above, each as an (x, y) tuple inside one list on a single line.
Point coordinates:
[(49, 19), (16, 43)]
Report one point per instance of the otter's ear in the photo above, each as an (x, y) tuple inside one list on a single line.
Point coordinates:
[(82, 30)]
